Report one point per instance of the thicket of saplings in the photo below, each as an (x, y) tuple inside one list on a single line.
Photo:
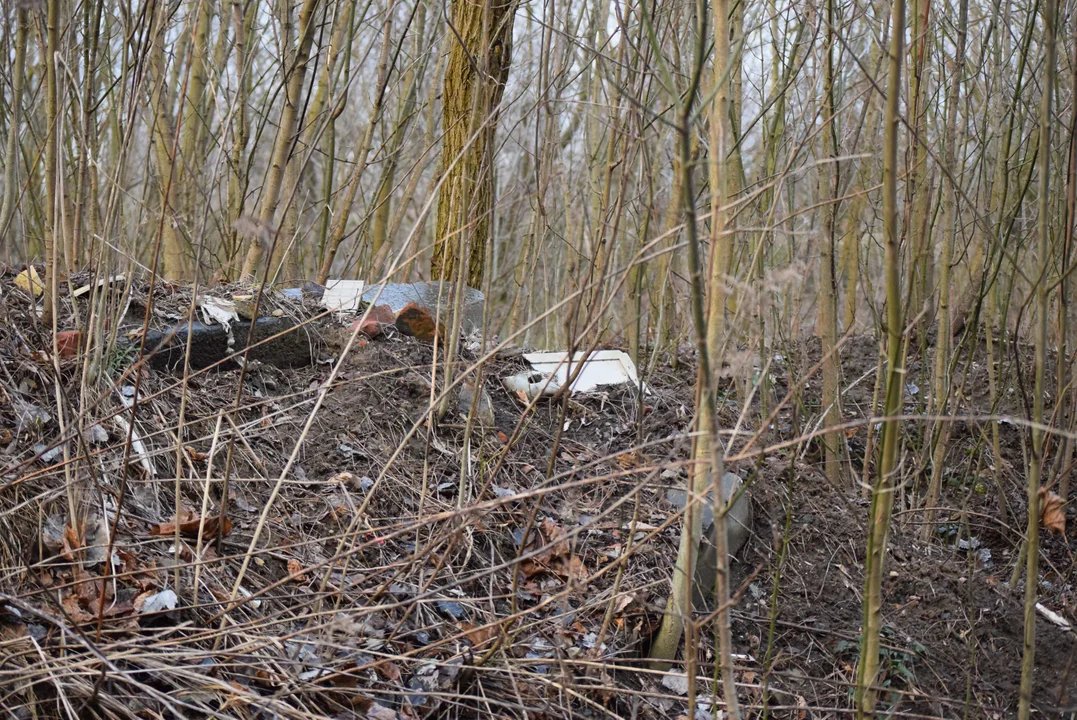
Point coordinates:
[(718, 181)]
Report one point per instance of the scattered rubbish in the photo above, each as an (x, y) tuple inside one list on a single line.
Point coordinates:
[(79, 292), (221, 311), (434, 300), (738, 530), (343, 295), (158, 602), (190, 524), (377, 319), (675, 682), (402, 590), (68, 343), (1052, 511), (28, 415), (1054, 617), (30, 281), (551, 370), (97, 541), (138, 447), (274, 341), (47, 454)]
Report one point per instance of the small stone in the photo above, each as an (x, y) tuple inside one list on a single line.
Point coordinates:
[(278, 313), (484, 409), (453, 608)]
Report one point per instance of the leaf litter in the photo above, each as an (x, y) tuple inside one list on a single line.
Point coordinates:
[(414, 602)]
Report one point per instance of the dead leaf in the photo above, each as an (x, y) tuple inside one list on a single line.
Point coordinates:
[(195, 455), (1052, 513), (478, 635), (74, 611), (389, 671), (190, 524), (295, 569), (72, 541), (624, 601), (631, 459), (575, 569)]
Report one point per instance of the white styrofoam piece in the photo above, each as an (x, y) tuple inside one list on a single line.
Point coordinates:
[(603, 367), (343, 295)]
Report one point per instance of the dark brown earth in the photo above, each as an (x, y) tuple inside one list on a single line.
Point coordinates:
[(455, 572)]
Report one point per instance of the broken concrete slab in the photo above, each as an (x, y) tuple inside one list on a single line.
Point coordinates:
[(550, 372), (165, 349), (436, 299)]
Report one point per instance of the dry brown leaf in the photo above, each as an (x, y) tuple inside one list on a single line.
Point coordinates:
[(74, 611), (574, 569), (195, 455), (389, 671), (624, 601), (72, 541), (190, 524), (295, 569), (478, 635), (342, 478), (1052, 512)]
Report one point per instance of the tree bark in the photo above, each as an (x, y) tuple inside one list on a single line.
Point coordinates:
[(474, 83)]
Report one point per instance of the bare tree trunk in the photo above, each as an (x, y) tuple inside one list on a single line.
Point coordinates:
[(474, 83), (943, 340), (883, 496), (11, 157), (293, 74), (52, 123), (1032, 534), (828, 293)]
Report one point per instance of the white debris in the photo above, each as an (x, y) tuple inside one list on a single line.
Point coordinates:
[(158, 602), (551, 371), (675, 682), (100, 283), (343, 295), (218, 310)]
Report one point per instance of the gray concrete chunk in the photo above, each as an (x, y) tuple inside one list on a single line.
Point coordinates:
[(437, 298)]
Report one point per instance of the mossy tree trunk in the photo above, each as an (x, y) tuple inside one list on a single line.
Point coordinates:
[(474, 83)]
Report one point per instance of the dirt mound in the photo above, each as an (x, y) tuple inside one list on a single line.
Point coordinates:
[(341, 551)]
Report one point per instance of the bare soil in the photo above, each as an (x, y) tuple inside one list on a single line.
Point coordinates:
[(410, 567)]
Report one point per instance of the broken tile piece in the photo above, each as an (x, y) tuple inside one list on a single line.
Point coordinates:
[(343, 295), (550, 372)]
